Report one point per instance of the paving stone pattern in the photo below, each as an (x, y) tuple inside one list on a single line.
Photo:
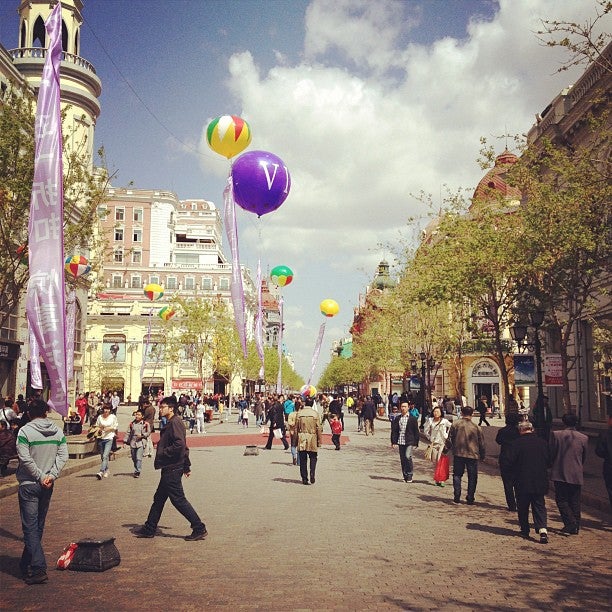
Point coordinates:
[(359, 539)]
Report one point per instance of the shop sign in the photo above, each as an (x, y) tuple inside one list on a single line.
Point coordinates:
[(553, 370)]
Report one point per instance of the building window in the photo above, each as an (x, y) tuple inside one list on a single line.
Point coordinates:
[(136, 282), (137, 256), (117, 281), (102, 211), (9, 330), (154, 279), (118, 234), (137, 235), (119, 214), (118, 256), (194, 206), (78, 331), (224, 283), (138, 215), (189, 282), (207, 283), (171, 282)]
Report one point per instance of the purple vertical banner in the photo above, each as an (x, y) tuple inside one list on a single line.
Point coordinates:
[(259, 323), (45, 308), (237, 290), (317, 350), (279, 378), (70, 325)]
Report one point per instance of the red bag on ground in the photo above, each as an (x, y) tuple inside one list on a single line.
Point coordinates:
[(442, 469)]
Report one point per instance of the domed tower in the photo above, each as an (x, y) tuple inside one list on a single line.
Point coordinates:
[(493, 185), (383, 279), (80, 86)]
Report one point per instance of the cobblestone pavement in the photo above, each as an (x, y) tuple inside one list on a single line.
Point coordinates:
[(359, 539)]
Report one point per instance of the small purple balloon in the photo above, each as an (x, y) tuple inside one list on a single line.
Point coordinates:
[(261, 182)]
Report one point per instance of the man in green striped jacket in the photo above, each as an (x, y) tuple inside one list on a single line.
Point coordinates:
[(42, 451)]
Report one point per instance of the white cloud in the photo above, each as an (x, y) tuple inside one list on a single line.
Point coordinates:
[(358, 144)]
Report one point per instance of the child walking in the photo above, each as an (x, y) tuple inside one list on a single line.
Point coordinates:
[(136, 439), (336, 427)]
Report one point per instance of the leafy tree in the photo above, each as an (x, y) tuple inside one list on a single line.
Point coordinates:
[(566, 247), (84, 190), (584, 41)]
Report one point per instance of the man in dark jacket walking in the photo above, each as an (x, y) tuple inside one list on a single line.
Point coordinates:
[(568, 451), (172, 458), (368, 414), (276, 417), (467, 441), (405, 435), (528, 459)]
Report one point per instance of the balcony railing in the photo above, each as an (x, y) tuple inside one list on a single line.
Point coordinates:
[(39, 53), (486, 346)]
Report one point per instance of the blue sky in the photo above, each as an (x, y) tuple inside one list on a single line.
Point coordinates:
[(368, 102)]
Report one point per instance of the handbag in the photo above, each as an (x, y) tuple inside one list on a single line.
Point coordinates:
[(278, 433), (94, 432), (442, 470)]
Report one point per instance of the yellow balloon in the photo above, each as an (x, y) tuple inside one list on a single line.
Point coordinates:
[(228, 135), (329, 308)]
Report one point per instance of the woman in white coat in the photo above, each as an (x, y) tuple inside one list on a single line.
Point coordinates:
[(436, 431)]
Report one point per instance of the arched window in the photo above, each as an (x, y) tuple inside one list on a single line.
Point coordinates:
[(78, 328), (23, 34), (39, 33), (64, 37)]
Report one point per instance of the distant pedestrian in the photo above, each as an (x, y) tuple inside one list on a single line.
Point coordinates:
[(43, 452), (291, 421), (505, 436), (148, 415), (568, 450), (528, 459), (136, 439), (108, 425), (604, 450), (368, 414), (436, 431), (115, 401), (482, 410), (309, 436), (405, 435), (246, 415), (200, 417), (336, 428), (276, 418), (172, 458), (467, 442)]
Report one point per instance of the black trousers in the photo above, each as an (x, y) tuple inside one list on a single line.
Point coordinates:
[(509, 488), (538, 508), (567, 497), (271, 439), (171, 486), (304, 455), (460, 465)]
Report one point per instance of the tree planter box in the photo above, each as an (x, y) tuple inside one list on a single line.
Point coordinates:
[(80, 446)]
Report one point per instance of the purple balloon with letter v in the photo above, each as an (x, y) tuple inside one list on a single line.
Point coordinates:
[(261, 182)]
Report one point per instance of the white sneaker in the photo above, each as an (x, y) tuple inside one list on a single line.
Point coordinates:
[(99, 475), (105, 474)]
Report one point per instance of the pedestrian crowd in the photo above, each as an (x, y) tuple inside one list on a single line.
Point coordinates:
[(531, 454)]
